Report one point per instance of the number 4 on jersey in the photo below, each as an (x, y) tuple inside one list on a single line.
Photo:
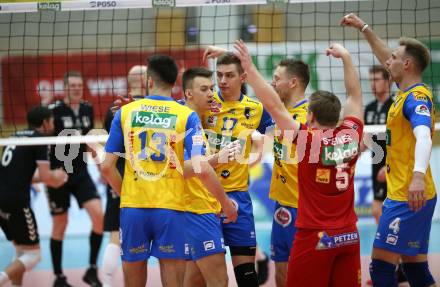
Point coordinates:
[(395, 225)]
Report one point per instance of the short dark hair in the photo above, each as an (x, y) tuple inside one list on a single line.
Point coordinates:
[(298, 69), (37, 115), (163, 69), (71, 74), (380, 69), (416, 50), (192, 73), (326, 107), (230, 58)]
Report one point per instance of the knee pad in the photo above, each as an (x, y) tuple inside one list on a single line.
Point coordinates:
[(18, 252), (383, 274), (245, 275), (418, 274), (30, 258), (243, 250)]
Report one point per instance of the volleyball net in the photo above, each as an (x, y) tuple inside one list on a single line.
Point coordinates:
[(41, 41)]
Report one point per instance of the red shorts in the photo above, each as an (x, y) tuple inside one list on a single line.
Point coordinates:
[(325, 258)]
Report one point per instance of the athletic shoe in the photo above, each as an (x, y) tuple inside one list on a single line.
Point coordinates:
[(61, 281), (91, 277)]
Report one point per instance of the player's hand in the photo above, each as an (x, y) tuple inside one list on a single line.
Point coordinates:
[(213, 52), (243, 54), (60, 177), (229, 152), (336, 50), (352, 20), (416, 192), (381, 175), (121, 101), (230, 211)]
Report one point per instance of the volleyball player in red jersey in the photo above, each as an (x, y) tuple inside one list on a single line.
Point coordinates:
[(326, 246)]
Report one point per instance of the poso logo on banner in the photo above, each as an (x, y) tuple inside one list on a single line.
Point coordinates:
[(103, 4)]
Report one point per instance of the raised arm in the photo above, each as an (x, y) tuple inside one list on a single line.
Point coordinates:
[(264, 92), (379, 47), (353, 106)]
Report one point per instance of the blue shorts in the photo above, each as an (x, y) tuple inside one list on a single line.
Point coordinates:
[(204, 235), (241, 232), (151, 231), (283, 232), (404, 231)]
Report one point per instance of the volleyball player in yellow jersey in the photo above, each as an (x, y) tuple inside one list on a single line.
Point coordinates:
[(235, 116), (154, 132), (290, 80), (404, 227), (204, 234)]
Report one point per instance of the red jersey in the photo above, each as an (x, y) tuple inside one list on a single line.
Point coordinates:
[(326, 175)]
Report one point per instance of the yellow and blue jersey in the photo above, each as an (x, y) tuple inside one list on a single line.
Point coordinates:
[(284, 182), (197, 197), (411, 108), (153, 133), (229, 121)]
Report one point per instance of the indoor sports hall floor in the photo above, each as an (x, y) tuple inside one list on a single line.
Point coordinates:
[(76, 252)]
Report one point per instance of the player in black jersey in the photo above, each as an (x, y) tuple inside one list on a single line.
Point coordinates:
[(17, 220), (73, 116), (137, 88)]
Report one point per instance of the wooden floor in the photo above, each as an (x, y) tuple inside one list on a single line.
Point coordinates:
[(44, 278)]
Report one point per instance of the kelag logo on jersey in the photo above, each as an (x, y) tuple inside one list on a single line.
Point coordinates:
[(153, 120), (333, 155), (282, 216)]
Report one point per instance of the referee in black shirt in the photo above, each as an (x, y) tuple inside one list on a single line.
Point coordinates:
[(73, 116)]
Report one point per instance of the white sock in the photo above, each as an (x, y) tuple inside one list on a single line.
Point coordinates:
[(4, 278), (111, 259)]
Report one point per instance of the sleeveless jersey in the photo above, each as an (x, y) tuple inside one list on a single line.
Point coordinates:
[(229, 121), (154, 133), (411, 108), (284, 182), (327, 161)]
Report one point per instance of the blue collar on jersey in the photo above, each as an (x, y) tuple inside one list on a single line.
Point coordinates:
[(160, 98), (413, 86), (219, 93), (300, 103)]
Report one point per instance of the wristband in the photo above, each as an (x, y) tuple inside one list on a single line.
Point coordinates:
[(364, 27)]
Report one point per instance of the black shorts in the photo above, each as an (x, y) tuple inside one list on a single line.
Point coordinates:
[(81, 187), (111, 217), (19, 224), (379, 190)]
